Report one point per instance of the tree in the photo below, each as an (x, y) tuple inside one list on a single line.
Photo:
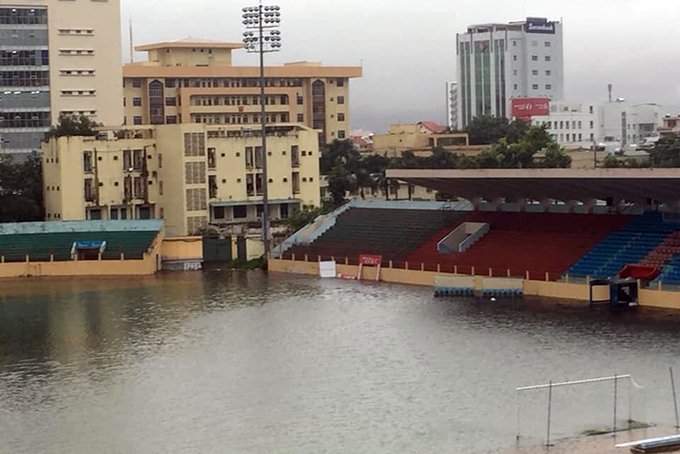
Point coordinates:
[(339, 151), (21, 196), (666, 152), (556, 157), (72, 125), (340, 182), (610, 162), (486, 130)]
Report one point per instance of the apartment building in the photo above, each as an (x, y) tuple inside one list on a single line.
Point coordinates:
[(192, 81), (190, 175), (452, 105), (57, 57), (498, 62)]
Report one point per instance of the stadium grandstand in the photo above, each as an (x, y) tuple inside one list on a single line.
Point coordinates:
[(79, 248), (534, 224)]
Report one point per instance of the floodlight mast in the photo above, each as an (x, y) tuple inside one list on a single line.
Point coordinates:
[(262, 36)]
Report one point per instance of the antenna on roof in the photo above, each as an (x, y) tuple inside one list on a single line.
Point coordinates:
[(609, 88)]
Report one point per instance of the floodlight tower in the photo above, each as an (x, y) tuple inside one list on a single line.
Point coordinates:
[(262, 36)]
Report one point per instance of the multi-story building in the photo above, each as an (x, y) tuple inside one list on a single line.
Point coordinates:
[(57, 57), (190, 175), (191, 81), (452, 104), (498, 62), (573, 124), (588, 124)]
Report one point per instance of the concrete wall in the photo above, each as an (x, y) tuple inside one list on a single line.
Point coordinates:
[(146, 266), (561, 290), (182, 248)]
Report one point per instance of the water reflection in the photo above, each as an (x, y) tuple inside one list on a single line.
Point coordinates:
[(237, 362)]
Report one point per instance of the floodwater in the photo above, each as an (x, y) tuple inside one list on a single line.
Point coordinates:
[(241, 362)]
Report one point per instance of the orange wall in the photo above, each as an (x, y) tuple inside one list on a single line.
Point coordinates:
[(182, 248)]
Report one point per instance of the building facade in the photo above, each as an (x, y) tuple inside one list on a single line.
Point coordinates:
[(498, 62), (190, 175), (57, 57), (191, 81), (573, 124), (587, 124), (452, 105)]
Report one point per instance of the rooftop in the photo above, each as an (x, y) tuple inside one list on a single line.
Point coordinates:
[(538, 184), (189, 42)]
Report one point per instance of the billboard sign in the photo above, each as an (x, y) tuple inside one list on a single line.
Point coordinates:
[(540, 25), (525, 108)]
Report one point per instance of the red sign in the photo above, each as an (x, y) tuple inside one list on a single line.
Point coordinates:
[(525, 108), (373, 260)]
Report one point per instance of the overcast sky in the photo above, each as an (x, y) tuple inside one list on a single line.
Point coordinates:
[(407, 47)]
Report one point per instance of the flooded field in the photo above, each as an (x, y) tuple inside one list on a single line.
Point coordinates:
[(242, 362)]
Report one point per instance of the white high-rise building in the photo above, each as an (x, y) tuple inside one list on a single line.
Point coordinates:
[(57, 57), (498, 62), (452, 104)]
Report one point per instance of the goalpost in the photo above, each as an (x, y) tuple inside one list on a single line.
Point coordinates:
[(592, 399)]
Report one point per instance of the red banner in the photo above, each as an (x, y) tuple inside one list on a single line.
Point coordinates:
[(525, 108), (371, 260)]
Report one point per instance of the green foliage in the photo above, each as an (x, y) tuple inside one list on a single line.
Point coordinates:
[(301, 218), (255, 264), (340, 182), (72, 125), (610, 162), (21, 195), (485, 130), (666, 152), (339, 152), (556, 157)]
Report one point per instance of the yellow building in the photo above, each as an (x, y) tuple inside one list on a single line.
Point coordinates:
[(190, 81), (419, 138), (57, 57), (190, 175)]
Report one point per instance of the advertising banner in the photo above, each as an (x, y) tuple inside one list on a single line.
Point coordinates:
[(525, 108)]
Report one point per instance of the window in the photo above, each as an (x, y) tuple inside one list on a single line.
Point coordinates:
[(137, 102), (341, 100), (171, 119), (240, 212), (341, 134), (534, 58), (300, 118), (137, 120), (514, 72), (340, 82), (514, 58), (548, 58), (548, 72), (218, 212), (592, 125), (547, 44), (591, 110), (514, 87), (87, 161), (171, 83), (514, 43), (534, 72), (170, 101), (212, 161), (534, 86), (136, 83), (341, 117), (283, 208), (300, 100), (295, 156), (548, 86), (250, 185), (534, 43), (212, 186)]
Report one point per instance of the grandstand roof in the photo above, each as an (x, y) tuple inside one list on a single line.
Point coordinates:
[(559, 184)]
